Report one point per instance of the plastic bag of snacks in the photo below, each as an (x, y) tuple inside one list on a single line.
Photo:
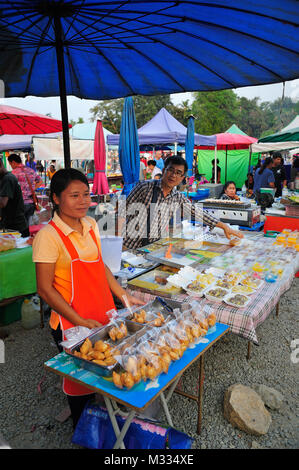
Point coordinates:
[(117, 329), (7, 242)]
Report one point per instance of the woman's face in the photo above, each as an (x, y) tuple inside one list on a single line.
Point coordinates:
[(230, 190), (74, 201)]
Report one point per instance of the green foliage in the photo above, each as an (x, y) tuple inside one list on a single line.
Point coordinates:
[(214, 112)]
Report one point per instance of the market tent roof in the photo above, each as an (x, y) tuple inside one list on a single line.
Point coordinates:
[(86, 130), (163, 128), (292, 125), (273, 146), (234, 129), (229, 141), (289, 133), (19, 142), (52, 149)]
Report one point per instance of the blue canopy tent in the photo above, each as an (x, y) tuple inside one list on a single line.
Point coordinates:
[(129, 157), (109, 49)]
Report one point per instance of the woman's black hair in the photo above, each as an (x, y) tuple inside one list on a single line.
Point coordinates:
[(227, 185), (265, 164), (60, 181)]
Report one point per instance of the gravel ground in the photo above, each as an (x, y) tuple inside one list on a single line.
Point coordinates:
[(30, 398)]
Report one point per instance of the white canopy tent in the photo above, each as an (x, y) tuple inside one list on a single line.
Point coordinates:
[(264, 147), (52, 149)]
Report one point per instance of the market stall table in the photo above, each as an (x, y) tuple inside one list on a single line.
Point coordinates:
[(142, 394), (243, 321)]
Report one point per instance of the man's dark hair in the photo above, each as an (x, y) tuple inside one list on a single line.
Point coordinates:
[(14, 157), (176, 160), (277, 155), (152, 163)]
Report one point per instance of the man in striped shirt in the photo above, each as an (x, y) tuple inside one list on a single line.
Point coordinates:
[(144, 218)]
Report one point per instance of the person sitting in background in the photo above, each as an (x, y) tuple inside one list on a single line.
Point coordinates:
[(249, 183), (230, 191), (152, 170), (11, 203), (51, 172), (264, 177)]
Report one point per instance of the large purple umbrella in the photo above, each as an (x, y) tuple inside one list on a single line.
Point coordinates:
[(100, 182)]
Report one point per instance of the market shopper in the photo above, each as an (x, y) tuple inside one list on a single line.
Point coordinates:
[(279, 173), (29, 181), (12, 211), (230, 191), (71, 276), (159, 160), (142, 228), (264, 177)]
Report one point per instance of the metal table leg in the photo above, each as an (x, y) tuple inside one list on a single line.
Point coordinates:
[(277, 308)]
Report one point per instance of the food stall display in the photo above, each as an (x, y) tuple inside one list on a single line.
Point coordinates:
[(179, 252), (154, 337)]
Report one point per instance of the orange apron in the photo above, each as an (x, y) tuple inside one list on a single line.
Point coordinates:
[(91, 296)]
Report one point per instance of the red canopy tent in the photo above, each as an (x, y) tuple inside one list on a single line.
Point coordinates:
[(100, 182), (16, 121)]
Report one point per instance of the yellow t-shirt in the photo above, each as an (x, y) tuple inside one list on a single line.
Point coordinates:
[(49, 248)]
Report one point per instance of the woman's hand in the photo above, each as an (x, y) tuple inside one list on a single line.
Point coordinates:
[(132, 300), (89, 323)]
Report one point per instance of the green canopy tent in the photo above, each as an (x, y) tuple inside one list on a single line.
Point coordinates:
[(287, 134), (234, 159)]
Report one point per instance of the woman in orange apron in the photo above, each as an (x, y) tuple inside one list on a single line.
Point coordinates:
[(71, 276)]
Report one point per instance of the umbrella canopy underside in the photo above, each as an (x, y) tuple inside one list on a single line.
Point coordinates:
[(115, 49)]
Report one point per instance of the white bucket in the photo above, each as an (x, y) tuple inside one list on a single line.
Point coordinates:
[(111, 252)]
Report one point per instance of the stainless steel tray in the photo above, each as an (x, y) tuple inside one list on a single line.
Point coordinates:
[(152, 308), (134, 332)]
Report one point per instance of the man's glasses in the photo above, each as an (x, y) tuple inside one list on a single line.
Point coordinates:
[(174, 172)]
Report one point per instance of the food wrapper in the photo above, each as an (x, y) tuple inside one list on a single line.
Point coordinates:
[(75, 335)]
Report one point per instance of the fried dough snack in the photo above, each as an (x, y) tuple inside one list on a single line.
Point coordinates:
[(140, 317), (101, 353), (117, 333)]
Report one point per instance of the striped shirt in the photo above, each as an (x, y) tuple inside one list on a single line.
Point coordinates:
[(138, 206), (33, 177)]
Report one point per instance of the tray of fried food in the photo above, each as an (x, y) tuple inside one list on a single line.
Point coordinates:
[(95, 354), (152, 314), (119, 329)]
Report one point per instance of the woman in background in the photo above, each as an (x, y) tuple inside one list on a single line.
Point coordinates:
[(230, 191)]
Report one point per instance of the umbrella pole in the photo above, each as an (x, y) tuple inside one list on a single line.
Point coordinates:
[(215, 165), (62, 89), (225, 164)]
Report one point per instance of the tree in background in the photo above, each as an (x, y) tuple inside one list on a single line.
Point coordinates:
[(80, 120), (215, 111)]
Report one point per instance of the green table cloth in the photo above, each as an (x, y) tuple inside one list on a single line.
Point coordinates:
[(17, 273)]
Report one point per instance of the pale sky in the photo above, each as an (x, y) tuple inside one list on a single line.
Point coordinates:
[(80, 108)]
